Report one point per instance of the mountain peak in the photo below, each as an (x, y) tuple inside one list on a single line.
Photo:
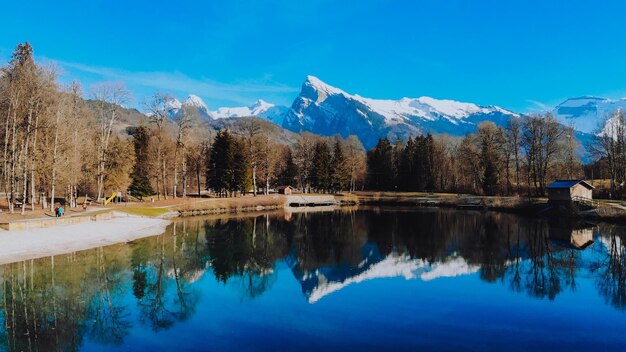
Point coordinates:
[(314, 80), (315, 89), (195, 101), (260, 104), (173, 104)]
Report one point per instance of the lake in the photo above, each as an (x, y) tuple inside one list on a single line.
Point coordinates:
[(352, 279)]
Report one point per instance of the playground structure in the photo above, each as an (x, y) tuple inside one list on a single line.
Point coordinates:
[(112, 197)]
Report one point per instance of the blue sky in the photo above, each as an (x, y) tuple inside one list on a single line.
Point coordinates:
[(519, 55)]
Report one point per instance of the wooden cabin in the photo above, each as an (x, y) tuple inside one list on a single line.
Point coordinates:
[(286, 190), (570, 191)]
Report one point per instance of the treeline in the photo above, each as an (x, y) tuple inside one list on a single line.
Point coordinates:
[(53, 144), (237, 164), (59, 145), (609, 152), (520, 158)]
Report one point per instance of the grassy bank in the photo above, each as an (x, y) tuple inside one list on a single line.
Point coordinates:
[(229, 205), (462, 201), (602, 211)]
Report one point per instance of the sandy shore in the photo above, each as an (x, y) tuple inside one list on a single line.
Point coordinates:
[(36, 243)]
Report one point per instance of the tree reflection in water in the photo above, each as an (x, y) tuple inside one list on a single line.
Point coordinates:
[(164, 270), (60, 302), (610, 266)]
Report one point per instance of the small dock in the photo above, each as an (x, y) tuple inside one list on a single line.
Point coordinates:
[(470, 206), (305, 200)]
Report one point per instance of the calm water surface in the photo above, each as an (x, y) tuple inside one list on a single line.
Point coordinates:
[(366, 279)]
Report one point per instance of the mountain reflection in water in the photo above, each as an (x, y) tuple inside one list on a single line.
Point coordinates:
[(105, 296)]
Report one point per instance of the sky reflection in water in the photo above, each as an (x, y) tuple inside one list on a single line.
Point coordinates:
[(353, 279)]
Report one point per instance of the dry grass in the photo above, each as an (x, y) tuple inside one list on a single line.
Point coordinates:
[(237, 204), (347, 198), (444, 199), (145, 211)]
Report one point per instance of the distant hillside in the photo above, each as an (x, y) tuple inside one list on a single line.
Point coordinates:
[(126, 117), (201, 127), (236, 124)]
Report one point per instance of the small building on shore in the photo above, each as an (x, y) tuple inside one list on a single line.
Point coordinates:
[(286, 190), (570, 191)]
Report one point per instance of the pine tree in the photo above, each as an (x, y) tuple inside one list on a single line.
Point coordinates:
[(340, 174), (322, 167), (221, 161), (289, 170), (380, 169), (140, 185), (241, 169)]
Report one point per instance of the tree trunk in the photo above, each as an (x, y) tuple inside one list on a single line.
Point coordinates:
[(198, 179), (184, 165), (26, 164), (163, 178), (254, 189), (54, 161)]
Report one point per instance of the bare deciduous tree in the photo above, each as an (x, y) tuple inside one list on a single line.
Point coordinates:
[(110, 96)]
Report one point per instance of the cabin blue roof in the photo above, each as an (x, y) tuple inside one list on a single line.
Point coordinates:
[(568, 184)]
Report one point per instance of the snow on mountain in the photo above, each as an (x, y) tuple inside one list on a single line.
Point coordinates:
[(195, 101), (173, 104), (323, 109), (394, 265), (260, 108), (587, 114)]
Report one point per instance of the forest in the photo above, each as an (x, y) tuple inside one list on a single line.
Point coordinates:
[(60, 142)]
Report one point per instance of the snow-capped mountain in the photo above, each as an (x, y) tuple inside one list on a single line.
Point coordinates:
[(587, 114), (324, 109), (194, 101), (173, 105), (260, 108)]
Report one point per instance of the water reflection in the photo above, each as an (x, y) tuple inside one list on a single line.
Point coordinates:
[(610, 266), (102, 295)]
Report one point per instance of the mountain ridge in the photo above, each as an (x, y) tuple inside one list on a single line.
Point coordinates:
[(323, 109), (326, 110)]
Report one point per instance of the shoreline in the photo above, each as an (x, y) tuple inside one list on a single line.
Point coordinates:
[(535, 207), (62, 239), (119, 225)]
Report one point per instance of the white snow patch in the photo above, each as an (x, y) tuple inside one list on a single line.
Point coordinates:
[(398, 265), (43, 242), (259, 108), (455, 267)]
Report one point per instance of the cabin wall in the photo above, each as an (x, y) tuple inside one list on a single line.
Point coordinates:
[(582, 191), (559, 194), (567, 194)]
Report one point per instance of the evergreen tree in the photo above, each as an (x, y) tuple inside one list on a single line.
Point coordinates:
[(140, 185), (340, 173), (241, 171), (289, 170), (228, 170), (220, 171), (322, 167), (380, 169), (406, 176)]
